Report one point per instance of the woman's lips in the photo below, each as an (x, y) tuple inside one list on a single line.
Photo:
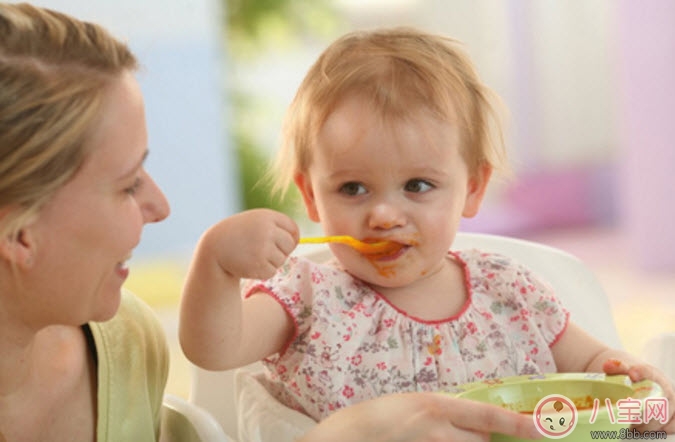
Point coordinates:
[(122, 270)]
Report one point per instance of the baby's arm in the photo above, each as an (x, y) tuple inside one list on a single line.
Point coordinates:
[(577, 351), (218, 330)]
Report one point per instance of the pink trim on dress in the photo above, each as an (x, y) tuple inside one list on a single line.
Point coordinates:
[(559, 335), (260, 288), (465, 306)]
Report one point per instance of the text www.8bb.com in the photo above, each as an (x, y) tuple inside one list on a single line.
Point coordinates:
[(628, 434)]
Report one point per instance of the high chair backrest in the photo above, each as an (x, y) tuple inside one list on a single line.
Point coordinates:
[(574, 283), (182, 421)]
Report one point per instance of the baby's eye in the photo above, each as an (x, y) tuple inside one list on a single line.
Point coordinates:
[(418, 186), (352, 188)]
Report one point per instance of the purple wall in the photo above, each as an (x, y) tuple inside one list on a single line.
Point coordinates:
[(646, 88)]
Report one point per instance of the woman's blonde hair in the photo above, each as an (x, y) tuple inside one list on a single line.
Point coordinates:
[(401, 71), (54, 72)]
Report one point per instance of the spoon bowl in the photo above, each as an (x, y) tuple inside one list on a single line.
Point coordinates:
[(376, 248)]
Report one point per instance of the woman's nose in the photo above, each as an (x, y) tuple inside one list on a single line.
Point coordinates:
[(155, 206), (385, 216)]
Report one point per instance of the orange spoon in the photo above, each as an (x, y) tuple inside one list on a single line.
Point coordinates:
[(367, 248)]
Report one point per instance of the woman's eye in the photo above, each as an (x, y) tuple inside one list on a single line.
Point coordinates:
[(353, 189), (131, 190), (418, 186)]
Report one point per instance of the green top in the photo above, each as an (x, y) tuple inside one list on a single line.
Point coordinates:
[(133, 365)]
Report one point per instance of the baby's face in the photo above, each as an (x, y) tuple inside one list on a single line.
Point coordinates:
[(400, 180)]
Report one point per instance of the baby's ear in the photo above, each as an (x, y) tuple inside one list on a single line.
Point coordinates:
[(304, 183), (476, 188)]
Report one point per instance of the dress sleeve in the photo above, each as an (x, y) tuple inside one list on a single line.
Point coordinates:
[(528, 298), (546, 309), (291, 287)]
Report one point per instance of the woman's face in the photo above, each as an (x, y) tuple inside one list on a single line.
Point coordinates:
[(85, 234)]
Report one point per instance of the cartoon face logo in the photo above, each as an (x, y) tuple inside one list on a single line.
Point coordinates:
[(555, 416)]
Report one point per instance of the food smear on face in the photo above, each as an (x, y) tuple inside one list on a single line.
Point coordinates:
[(388, 251), (388, 271), (379, 249)]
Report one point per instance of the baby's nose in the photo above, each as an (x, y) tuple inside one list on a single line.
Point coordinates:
[(385, 216)]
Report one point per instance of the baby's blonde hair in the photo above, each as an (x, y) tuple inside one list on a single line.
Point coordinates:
[(54, 73), (401, 71)]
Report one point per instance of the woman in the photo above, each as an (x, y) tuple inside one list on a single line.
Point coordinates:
[(79, 359), (73, 201)]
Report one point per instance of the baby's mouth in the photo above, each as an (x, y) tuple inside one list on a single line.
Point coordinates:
[(391, 252)]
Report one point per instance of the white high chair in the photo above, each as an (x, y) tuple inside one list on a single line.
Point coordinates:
[(182, 421), (239, 403)]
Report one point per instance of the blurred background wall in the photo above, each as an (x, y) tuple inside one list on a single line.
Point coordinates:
[(646, 96)]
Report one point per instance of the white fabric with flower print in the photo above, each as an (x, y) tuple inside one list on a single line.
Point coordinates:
[(351, 344)]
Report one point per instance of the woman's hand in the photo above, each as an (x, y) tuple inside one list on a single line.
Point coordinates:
[(638, 372), (418, 417)]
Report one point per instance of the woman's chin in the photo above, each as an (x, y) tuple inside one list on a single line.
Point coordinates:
[(109, 308)]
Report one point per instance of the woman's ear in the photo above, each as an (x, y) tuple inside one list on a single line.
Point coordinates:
[(17, 245), (18, 248), (304, 184), (476, 190)]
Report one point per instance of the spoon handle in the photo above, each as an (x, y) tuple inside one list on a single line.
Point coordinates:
[(323, 239)]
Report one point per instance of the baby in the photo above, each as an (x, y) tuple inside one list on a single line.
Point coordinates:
[(391, 136)]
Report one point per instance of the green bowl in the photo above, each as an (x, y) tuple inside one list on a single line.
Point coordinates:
[(565, 405)]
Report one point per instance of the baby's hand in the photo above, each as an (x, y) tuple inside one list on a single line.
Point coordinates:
[(254, 243), (639, 372)]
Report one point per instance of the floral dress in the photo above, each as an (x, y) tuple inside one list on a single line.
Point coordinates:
[(350, 344)]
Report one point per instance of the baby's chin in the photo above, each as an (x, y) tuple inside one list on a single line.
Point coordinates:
[(384, 277)]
